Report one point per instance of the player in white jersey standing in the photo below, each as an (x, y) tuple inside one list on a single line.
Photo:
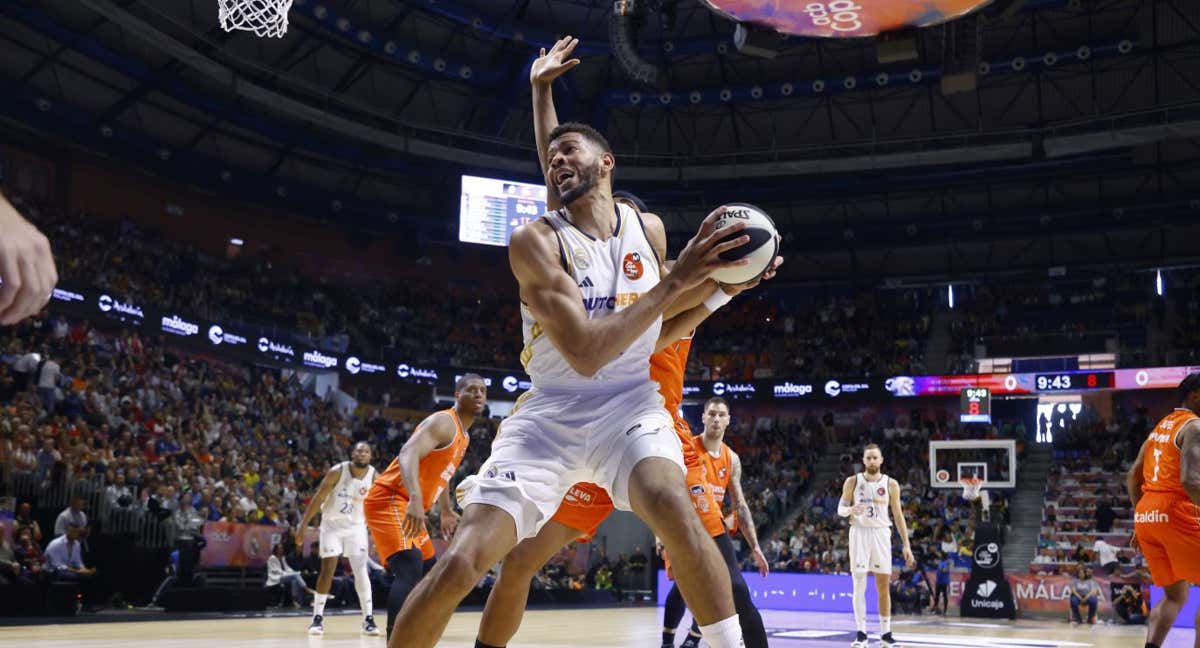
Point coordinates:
[(343, 533), (592, 306), (866, 500)]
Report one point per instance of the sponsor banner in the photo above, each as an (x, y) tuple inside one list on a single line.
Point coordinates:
[(176, 325), (1153, 377), (233, 544)]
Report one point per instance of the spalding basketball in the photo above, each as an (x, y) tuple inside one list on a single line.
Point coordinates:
[(760, 251)]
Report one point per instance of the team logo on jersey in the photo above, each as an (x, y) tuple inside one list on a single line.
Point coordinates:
[(721, 473), (579, 257), (632, 266), (1152, 517), (362, 490), (881, 491)]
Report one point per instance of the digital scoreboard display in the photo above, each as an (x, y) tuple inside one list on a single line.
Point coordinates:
[(490, 209), (1073, 381), (976, 405)]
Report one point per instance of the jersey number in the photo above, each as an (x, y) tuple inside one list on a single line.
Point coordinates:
[(1157, 453), (347, 508)]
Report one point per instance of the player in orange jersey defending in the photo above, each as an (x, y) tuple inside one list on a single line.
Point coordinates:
[(399, 499), (1164, 485)]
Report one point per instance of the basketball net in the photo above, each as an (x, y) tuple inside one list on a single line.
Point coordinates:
[(973, 491), (263, 17)]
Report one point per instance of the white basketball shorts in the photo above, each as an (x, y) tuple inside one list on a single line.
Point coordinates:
[(871, 549), (555, 439), (350, 542)]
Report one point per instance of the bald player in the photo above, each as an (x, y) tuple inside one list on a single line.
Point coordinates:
[(404, 494), (1164, 485)]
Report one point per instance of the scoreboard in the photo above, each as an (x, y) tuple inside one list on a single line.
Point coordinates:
[(1073, 381), (976, 405), (490, 209)]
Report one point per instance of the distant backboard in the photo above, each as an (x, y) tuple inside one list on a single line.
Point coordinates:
[(993, 461)]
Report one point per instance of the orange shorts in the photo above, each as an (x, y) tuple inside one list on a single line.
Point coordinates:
[(385, 519), (583, 508), (1168, 531)]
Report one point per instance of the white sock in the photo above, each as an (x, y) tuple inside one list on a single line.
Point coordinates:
[(362, 585), (885, 625), (860, 601), (724, 634), (319, 604)]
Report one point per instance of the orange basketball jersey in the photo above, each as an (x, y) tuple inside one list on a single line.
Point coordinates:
[(720, 467), (1160, 466), (435, 471)]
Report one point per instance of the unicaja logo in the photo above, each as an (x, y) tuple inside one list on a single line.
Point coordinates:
[(986, 588), (1151, 517), (839, 15)]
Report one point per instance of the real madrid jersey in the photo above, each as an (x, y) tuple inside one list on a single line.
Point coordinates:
[(873, 495), (611, 274), (344, 506)]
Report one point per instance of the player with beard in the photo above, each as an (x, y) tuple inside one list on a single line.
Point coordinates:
[(593, 292), (401, 497), (343, 532), (866, 500)]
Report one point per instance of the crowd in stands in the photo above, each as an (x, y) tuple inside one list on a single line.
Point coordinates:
[(188, 439), (459, 320), (1088, 518)]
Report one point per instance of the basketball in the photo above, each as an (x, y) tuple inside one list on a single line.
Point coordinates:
[(760, 251)]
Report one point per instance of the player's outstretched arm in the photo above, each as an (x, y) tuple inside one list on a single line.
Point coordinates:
[(327, 483), (677, 326), (1189, 460), (553, 297), (1135, 477), (547, 67), (746, 515), (901, 523), (434, 432)]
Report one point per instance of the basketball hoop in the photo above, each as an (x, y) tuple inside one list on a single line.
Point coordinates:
[(263, 17)]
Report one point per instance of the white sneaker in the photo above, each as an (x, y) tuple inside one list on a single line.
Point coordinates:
[(317, 627)]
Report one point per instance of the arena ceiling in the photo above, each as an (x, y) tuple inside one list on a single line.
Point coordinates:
[(1083, 117)]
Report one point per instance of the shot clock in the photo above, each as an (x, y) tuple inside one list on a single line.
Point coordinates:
[(1073, 381), (976, 405)]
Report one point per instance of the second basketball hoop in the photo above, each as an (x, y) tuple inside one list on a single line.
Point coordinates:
[(263, 17)]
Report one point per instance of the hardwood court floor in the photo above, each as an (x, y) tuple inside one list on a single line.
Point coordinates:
[(610, 628)]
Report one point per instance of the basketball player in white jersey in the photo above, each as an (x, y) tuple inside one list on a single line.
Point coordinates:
[(343, 533), (867, 498), (592, 306)]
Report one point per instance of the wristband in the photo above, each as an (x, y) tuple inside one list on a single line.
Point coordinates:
[(844, 510), (716, 300)]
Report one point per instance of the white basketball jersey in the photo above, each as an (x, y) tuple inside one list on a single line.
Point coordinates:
[(344, 506), (873, 495), (611, 275)]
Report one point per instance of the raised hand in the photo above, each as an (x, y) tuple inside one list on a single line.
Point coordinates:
[(550, 65)]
